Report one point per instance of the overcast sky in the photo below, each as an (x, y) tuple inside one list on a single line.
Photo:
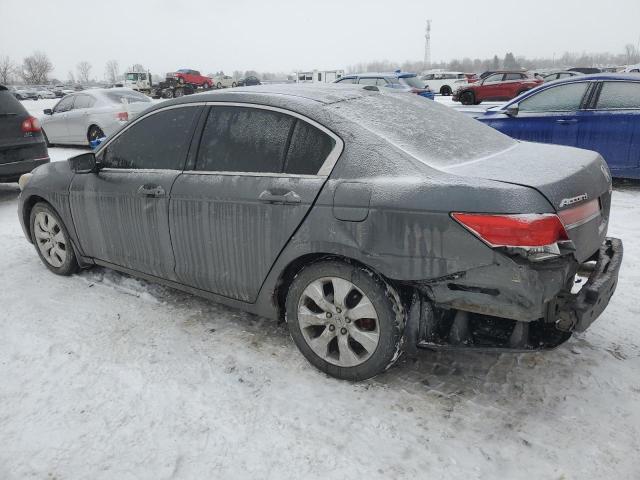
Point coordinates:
[(288, 35)]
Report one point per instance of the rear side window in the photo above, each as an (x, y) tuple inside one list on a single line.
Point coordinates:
[(308, 150), (159, 141), (619, 95), (127, 96), (513, 76), (244, 139), (563, 98), (9, 103), (368, 81)]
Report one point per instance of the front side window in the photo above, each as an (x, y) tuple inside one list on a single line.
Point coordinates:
[(345, 81), (64, 105), (159, 141), (83, 101), (619, 95), (497, 77), (244, 139), (563, 98)]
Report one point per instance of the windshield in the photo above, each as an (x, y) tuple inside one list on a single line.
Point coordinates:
[(413, 82), (132, 76), (434, 134), (126, 96)]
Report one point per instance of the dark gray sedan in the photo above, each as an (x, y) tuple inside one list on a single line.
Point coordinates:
[(373, 223)]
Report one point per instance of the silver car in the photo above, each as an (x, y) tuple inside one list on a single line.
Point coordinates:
[(79, 118)]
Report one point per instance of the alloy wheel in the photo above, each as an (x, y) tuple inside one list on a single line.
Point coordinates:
[(50, 239), (338, 321)]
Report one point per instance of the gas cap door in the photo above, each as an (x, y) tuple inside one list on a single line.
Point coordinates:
[(351, 201)]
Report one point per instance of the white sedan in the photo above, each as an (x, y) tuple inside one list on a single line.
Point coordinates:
[(82, 117), (224, 81), (444, 83)]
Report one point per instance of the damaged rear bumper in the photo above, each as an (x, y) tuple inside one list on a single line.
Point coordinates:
[(576, 312)]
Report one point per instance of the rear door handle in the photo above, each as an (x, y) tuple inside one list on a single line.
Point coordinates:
[(150, 190), (289, 197), (567, 121)]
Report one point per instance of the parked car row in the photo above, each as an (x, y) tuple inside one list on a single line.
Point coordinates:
[(356, 214), (397, 81), (499, 85)]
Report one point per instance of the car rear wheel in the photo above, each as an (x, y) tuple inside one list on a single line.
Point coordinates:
[(218, 85), (467, 98), (52, 240), (345, 319), (234, 84), (94, 133), (445, 90)]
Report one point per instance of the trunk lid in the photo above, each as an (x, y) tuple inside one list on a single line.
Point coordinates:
[(567, 177), (12, 114)]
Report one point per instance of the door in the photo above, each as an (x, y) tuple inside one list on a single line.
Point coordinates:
[(491, 87), (55, 125), (78, 119), (121, 212), (548, 116), (613, 127), (258, 172)]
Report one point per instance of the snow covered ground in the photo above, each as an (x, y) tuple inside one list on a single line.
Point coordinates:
[(103, 376)]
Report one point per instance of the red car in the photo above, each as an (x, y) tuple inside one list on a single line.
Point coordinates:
[(192, 77), (497, 86)]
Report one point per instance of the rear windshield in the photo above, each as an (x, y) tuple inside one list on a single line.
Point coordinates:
[(9, 103), (123, 96), (434, 134), (413, 82)]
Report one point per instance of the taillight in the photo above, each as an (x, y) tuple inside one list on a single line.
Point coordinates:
[(535, 230), (31, 124), (123, 116)]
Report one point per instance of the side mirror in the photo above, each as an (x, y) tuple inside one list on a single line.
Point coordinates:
[(512, 110), (85, 163), (48, 111)]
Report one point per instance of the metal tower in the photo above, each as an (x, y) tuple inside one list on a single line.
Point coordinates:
[(427, 45)]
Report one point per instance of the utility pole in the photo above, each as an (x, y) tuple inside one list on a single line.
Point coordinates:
[(427, 45)]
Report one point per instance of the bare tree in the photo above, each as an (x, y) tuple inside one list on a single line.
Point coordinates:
[(84, 69), (111, 71), (137, 67), (7, 69), (36, 68), (632, 54)]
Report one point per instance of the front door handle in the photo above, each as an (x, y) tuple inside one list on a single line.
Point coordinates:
[(271, 196), (150, 190), (567, 121)]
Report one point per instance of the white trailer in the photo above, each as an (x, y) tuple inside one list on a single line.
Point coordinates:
[(319, 76)]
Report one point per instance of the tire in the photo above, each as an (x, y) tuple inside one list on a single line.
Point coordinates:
[(521, 92), (234, 85), (445, 90), (467, 98), (47, 229), (94, 133), (346, 348), (218, 85), (168, 93)]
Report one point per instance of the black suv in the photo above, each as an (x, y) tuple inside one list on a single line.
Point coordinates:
[(22, 144)]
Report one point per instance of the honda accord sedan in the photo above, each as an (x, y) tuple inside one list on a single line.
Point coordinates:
[(349, 212), (83, 117)]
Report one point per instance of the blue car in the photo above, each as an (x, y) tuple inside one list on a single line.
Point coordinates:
[(398, 80), (596, 112)]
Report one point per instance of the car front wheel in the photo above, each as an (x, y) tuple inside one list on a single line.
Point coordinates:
[(52, 240), (467, 98), (345, 319)]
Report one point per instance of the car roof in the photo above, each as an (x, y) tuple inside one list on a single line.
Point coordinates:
[(597, 76), (274, 93), (381, 74)]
